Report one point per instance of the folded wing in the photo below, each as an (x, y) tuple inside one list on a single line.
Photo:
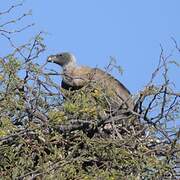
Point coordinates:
[(78, 77)]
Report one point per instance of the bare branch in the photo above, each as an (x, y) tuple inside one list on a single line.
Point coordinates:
[(11, 8)]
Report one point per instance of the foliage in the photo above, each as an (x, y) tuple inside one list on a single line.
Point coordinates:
[(49, 133)]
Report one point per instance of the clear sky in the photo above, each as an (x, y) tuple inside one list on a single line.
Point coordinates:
[(94, 30)]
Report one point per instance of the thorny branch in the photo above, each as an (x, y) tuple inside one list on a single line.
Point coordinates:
[(34, 94), (10, 9), (3, 26)]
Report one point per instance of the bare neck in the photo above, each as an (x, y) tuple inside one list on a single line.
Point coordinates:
[(69, 66)]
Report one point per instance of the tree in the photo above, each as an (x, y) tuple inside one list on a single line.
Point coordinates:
[(43, 135)]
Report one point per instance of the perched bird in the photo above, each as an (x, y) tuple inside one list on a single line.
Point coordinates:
[(75, 77)]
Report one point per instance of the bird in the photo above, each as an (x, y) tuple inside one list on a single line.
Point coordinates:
[(75, 77)]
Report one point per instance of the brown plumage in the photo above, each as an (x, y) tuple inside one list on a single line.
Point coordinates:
[(75, 77)]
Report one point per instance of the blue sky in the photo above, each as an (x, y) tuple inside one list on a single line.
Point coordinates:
[(94, 30)]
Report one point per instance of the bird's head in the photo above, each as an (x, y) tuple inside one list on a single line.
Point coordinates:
[(63, 59)]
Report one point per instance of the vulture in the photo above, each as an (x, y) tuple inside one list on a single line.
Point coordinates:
[(75, 77)]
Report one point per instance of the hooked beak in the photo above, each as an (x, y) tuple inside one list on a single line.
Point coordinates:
[(51, 58)]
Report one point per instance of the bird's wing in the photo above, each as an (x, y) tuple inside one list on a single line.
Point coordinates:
[(108, 78), (77, 76), (112, 84), (81, 76)]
